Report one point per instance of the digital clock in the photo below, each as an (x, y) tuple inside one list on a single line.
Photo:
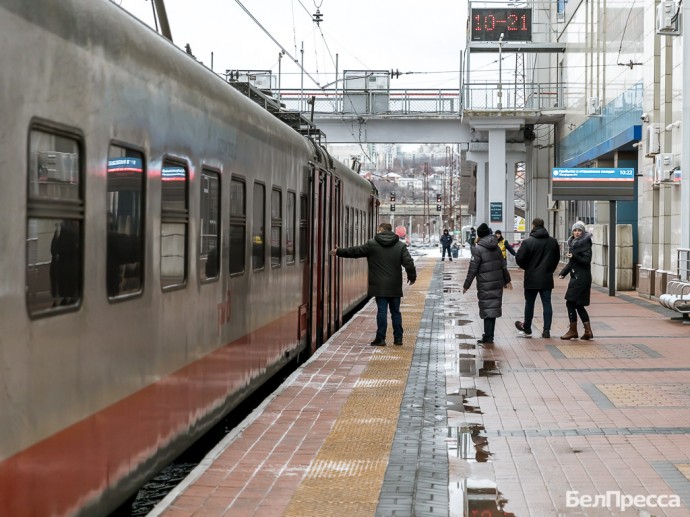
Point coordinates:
[(488, 24)]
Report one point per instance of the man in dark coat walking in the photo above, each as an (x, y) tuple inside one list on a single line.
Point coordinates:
[(386, 256), (539, 255), (492, 275)]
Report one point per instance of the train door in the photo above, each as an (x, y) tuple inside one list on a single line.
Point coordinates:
[(318, 255), (336, 239)]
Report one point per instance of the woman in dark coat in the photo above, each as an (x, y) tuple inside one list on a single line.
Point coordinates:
[(580, 270), (488, 266)]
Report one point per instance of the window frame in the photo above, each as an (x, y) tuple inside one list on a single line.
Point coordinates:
[(207, 171), (235, 221), (175, 216), (261, 185), (47, 208), (277, 222)]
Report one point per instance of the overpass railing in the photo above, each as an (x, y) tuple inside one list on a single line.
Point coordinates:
[(522, 96), (371, 102), (484, 96)]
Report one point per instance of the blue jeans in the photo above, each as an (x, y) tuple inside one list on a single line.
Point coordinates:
[(446, 250), (384, 303), (530, 298)]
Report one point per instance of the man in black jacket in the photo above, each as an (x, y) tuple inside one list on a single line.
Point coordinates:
[(386, 256), (446, 240), (539, 256)]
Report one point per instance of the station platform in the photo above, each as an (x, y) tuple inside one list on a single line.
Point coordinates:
[(443, 426)]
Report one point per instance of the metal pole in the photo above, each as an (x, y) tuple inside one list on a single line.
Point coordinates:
[(301, 86), (335, 102), (499, 93), (612, 248), (685, 142)]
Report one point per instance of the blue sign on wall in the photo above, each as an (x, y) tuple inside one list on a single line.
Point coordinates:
[(495, 212), (593, 183)]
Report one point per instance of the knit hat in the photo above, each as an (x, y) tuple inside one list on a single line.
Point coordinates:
[(483, 230), (579, 225)]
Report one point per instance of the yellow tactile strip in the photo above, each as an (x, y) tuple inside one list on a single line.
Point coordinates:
[(683, 468), (597, 351), (646, 395), (346, 476)]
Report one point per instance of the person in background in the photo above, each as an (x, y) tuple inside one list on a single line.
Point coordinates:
[(579, 267), (490, 270), (446, 240), (386, 257), (504, 245), (65, 264), (539, 255), (473, 237)]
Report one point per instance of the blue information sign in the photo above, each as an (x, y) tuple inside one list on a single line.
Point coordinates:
[(496, 212), (593, 183)]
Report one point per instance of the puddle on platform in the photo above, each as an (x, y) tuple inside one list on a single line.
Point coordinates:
[(471, 392), (456, 314), (469, 443), (468, 364), (452, 290), (464, 336), (489, 368), (460, 404), (460, 323), (472, 497)]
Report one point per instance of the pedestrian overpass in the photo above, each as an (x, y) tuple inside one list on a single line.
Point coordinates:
[(491, 124)]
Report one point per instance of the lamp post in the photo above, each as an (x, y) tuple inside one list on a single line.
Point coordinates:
[(499, 93)]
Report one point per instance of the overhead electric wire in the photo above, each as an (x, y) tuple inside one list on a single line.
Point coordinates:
[(277, 43)]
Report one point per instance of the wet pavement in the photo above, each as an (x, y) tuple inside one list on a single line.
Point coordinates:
[(568, 427), (523, 427)]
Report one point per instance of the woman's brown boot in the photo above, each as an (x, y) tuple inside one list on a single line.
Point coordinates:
[(588, 331), (572, 331)]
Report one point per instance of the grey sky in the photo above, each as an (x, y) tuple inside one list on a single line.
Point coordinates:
[(411, 36)]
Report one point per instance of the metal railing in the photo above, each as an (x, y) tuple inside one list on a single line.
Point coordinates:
[(360, 102), (522, 96), (484, 96), (683, 264)]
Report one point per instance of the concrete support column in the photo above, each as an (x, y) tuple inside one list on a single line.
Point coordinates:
[(496, 183), (537, 189), (510, 200), (482, 187)]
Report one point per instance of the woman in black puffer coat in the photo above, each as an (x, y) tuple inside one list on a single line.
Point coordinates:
[(579, 267), (488, 266)]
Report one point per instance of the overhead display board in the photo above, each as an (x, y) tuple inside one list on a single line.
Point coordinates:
[(593, 184), (488, 23)]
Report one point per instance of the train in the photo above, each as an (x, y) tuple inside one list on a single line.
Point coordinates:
[(164, 246)]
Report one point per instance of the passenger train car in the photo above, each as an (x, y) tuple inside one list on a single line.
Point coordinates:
[(164, 252)]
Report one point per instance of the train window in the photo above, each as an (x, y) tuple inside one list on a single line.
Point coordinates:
[(54, 235), (356, 228), (290, 229), (125, 222), (238, 225), (351, 235), (303, 226), (259, 227), (209, 230), (361, 227), (174, 221), (347, 226), (276, 226)]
